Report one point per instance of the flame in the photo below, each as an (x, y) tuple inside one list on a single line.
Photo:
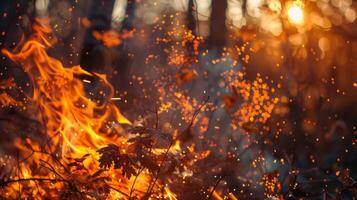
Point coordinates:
[(5, 99), (170, 195), (70, 115), (75, 125), (176, 147), (216, 195)]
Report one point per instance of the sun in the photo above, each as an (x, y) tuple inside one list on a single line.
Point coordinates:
[(295, 14)]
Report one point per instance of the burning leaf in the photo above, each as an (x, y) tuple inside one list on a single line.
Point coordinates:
[(127, 165), (109, 155), (229, 101), (185, 75), (77, 163), (143, 156), (142, 145), (150, 138), (149, 160)]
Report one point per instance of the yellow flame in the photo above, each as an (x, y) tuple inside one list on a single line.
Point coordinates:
[(60, 94), (169, 194), (75, 124)]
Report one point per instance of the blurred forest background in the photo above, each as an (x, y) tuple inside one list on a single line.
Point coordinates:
[(298, 59)]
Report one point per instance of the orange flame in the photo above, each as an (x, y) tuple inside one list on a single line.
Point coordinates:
[(75, 124), (71, 115)]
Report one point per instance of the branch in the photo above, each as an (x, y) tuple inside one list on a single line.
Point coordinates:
[(215, 186), (4, 183), (151, 186), (197, 112), (136, 177), (123, 193)]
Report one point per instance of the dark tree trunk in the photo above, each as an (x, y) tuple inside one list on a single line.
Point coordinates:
[(244, 7), (101, 12), (94, 55), (218, 29), (123, 62), (128, 23), (191, 24)]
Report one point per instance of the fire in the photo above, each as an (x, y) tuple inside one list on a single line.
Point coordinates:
[(82, 145), (75, 125), (5, 99), (170, 195), (59, 92), (82, 137)]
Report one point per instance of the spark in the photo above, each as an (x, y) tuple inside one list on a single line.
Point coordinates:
[(116, 99)]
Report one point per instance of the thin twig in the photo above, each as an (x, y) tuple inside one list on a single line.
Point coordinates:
[(123, 193), (32, 179), (51, 168), (157, 117), (136, 177), (215, 186), (151, 186), (197, 112)]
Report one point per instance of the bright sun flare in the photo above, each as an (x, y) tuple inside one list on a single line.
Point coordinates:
[(295, 14)]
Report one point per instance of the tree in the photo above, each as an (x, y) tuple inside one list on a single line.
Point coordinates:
[(218, 29), (129, 15), (191, 25), (94, 54)]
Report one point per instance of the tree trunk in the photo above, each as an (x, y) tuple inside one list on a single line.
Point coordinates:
[(218, 29), (128, 23), (95, 56), (101, 12), (191, 24)]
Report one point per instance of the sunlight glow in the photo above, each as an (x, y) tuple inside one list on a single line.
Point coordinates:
[(296, 14)]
